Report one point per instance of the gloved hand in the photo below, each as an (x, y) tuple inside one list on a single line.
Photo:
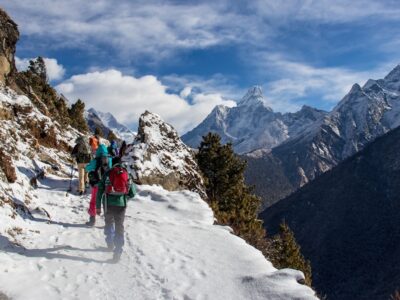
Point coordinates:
[(98, 211)]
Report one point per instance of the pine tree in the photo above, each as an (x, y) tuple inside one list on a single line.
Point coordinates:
[(38, 67), (34, 82), (98, 131), (235, 205), (231, 200), (284, 252), (111, 136), (76, 113)]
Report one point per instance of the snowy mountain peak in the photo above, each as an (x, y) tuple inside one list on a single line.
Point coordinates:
[(394, 75), (355, 88), (254, 96), (110, 122)]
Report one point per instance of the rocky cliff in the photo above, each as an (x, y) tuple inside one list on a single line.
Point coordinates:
[(9, 35), (158, 156)]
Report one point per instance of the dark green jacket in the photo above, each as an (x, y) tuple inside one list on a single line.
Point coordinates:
[(112, 200)]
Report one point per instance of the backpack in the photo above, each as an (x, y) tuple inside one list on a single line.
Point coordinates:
[(117, 182), (96, 175), (83, 153)]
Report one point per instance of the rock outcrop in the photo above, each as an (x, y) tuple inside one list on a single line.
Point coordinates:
[(158, 156), (9, 35)]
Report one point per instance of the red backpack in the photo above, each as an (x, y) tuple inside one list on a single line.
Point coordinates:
[(118, 183)]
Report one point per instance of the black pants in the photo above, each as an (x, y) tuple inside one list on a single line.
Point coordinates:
[(114, 228)]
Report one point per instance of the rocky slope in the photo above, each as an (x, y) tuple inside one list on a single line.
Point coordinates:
[(252, 124), (347, 222), (363, 114), (107, 122), (158, 156), (9, 35)]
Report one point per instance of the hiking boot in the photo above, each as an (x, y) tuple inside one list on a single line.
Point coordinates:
[(80, 193), (91, 222), (116, 256), (110, 246)]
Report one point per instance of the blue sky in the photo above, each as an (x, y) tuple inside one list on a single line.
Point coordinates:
[(181, 58)]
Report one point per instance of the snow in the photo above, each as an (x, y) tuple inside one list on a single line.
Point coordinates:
[(172, 251), (111, 122), (10, 97), (168, 153), (252, 125)]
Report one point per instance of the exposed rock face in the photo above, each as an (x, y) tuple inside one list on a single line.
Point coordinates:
[(8, 39), (347, 222), (158, 156)]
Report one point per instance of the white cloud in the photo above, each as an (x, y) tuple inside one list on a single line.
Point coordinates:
[(158, 28), (55, 71), (186, 92), (154, 28), (127, 97), (21, 63), (300, 80), (327, 11)]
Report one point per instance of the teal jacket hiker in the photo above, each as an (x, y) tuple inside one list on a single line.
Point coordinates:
[(102, 151)]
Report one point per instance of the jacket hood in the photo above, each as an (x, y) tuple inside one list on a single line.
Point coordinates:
[(101, 151)]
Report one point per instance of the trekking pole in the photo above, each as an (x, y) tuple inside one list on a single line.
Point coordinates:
[(70, 181)]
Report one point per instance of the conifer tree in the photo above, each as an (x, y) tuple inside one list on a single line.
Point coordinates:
[(38, 67), (111, 136), (234, 205), (286, 253), (98, 131), (76, 113), (231, 200)]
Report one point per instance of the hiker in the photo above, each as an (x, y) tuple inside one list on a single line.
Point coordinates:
[(113, 148), (115, 188), (97, 168), (121, 151), (94, 142), (81, 153)]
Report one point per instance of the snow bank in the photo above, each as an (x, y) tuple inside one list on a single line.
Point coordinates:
[(172, 251)]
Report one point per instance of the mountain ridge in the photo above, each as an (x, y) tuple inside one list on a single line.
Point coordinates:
[(347, 222), (106, 122), (252, 124)]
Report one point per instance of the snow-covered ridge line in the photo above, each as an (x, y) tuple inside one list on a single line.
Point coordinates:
[(252, 125), (110, 123)]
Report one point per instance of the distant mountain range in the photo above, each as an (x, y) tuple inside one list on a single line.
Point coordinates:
[(107, 122), (252, 124), (285, 151), (347, 222)]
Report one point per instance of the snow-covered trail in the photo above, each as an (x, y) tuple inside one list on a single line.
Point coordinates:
[(172, 251)]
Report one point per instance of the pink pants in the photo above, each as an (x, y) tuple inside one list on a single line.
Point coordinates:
[(92, 205)]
